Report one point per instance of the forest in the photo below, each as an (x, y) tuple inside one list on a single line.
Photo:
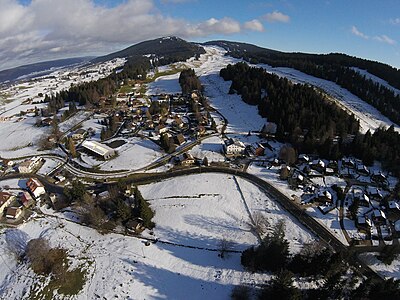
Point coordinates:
[(309, 121), (335, 67)]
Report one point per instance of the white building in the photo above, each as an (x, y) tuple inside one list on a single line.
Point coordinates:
[(99, 149), (234, 147), (27, 166)]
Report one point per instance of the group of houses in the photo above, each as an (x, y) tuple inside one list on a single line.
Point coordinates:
[(368, 202), (13, 206)]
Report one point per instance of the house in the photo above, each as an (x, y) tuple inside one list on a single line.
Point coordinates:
[(378, 217), (362, 170), (257, 149), (393, 206), (318, 165), (177, 123), (378, 177), (303, 158), (363, 224), (135, 226), (233, 147), (179, 139), (5, 200), (35, 187), (349, 163), (104, 195), (201, 130), (47, 121), (26, 199), (324, 197), (80, 134), (187, 159), (160, 129), (29, 165), (13, 213), (361, 197), (374, 193), (99, 149)]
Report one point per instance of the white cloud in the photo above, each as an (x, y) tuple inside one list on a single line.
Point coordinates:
[(254, 25), (49, 29), (356, 32), (395, 21), (384, 39), (276, 16)]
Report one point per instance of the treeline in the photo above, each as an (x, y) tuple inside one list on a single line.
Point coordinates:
[(309, 121), (303, 115), (337, 68), (189, 81), (316, 262)]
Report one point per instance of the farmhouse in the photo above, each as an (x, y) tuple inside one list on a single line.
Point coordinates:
[(79, 134), (13, 213), (5, 200), (35, 187), (187, 159), (234, 147), (99, 149), (29, 165), (26, 199)]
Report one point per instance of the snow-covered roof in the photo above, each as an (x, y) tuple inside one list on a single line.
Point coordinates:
[(97, 148)]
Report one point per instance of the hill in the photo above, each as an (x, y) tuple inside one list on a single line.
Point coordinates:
[(38, 69), (165, 50)]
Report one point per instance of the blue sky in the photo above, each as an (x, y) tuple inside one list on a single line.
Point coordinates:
[(35, 30)]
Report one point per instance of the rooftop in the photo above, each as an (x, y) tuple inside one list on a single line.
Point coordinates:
[(97, 148)]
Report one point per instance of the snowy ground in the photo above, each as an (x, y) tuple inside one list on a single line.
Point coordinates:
[(388, 271), (376, 79), (212, 148), (197, 210), (48, 166), (208, 208), (168, 84)]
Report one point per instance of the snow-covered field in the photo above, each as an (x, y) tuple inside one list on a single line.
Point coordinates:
[(201, 210), (135, 154), (168, 84), (376, 79), (197, 210), (212, 148), (387, 271)]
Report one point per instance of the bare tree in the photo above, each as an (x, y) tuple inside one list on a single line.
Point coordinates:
[(224, 247), (261, 223)]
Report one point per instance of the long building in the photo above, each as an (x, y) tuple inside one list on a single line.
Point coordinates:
[(99, 149)]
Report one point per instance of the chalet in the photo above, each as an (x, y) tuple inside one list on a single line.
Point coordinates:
[(361, 197), (26, 199), (378, 217), (374, 193), (329, 171), (257, 149), (187, 159), (378, 177), (99, 149), (103, 195), (5, 200), (13, 213), (363, 224), (29, 165), (80, 134), (318, 165), (324, 197), (234, 147), (349, 163), (303, 158), (393, 206), (201, 130), (362, 170), (35, 187), (179, 139)]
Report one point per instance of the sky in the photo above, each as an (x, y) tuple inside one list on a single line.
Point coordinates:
[(41, 30)]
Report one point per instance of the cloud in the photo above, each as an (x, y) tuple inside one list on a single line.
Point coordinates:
[(358, 33), (276, 17), (254, 25), (395, 21), (50, 29), (384, 39)]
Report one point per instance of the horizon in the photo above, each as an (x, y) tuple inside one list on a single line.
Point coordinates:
[(33, 31)]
